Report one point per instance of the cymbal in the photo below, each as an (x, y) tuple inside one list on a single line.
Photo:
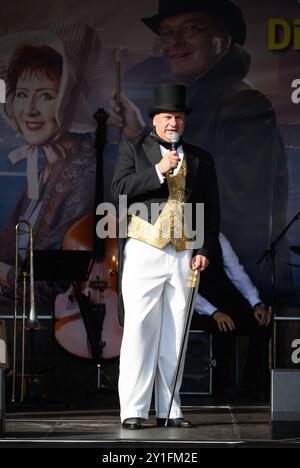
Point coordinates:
[(294, 265), (295, 249)]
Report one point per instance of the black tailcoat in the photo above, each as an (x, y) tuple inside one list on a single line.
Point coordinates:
[(135, 176)]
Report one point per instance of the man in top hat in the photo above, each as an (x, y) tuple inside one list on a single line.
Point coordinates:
[(158, 256), (202, 42)]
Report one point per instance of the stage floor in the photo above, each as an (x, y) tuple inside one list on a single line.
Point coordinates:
[(94, 422)]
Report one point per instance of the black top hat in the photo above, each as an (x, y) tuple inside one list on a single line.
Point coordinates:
[(168, 98), (225, 11)]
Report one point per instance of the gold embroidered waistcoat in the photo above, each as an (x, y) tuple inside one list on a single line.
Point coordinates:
[(169, 226)]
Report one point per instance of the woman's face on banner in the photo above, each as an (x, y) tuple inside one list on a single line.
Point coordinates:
[(34, 107)]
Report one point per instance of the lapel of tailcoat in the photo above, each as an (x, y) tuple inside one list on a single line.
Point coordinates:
[(192, 169)]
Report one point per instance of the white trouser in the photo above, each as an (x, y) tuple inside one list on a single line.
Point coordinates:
[(155, 293)]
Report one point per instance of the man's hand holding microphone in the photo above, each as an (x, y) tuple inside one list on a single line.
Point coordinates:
[(171, 159)]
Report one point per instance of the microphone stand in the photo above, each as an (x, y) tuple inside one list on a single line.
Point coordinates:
[(270, 253)]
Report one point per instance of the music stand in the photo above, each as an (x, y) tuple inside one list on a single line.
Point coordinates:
[(270, 253), (61, 265), (54, 266)]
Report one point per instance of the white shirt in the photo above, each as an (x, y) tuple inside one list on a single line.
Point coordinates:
[(236, 273), (163, 151)]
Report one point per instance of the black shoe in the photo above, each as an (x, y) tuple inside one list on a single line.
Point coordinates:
[(132, 423), (174, 422)]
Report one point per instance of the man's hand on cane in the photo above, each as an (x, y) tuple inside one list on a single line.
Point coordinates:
[(199, 262)]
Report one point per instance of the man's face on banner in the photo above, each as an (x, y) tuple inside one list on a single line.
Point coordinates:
[(34, 107), (191, 43)]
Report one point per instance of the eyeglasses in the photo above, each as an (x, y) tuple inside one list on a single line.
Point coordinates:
[(188, 31)]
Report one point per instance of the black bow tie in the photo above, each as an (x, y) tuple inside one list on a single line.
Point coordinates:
[(165, 144)]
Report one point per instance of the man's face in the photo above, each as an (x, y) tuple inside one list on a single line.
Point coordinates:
[(166, 123), (191, 43)]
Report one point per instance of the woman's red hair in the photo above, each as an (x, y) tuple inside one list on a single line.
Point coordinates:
[(30, 60)]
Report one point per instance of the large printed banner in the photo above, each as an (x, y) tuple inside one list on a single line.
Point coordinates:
[(59, 62)]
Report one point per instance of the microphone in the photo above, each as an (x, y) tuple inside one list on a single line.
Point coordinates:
[(175, 137), (174, 140)]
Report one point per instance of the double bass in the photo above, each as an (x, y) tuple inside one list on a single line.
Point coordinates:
[(87, 314)]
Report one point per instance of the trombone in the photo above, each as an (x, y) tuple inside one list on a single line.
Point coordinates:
[(23, 228)]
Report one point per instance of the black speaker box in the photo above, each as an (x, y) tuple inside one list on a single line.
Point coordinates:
[(2, 403), (288, 344), (197, 375), (285, 402)]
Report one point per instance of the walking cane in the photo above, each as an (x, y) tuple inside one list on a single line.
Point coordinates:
[(190, 308)]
